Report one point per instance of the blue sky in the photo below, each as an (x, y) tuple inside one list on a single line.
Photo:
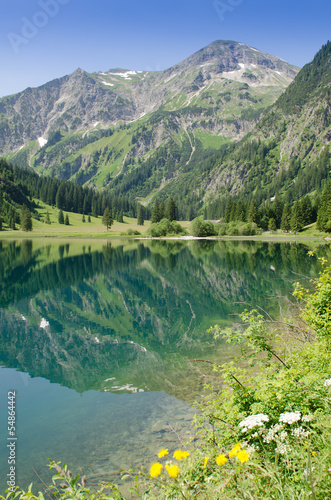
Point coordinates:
[(44, 39)]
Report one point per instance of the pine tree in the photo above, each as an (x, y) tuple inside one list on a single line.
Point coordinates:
[(61, 217), (277, 209), (285, 224), (0, 223), (156, 212), (107, 219), (140, 215), (48, 219), (162, 210), (171, 210), (296, 218), (324, 211), (119, 216), (83, 218), (89, 219), (228, 210), (66, 220), (26, 219), (272, 224), (306, 210), (253, 213)]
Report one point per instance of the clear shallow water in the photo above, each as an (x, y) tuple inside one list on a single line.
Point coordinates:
[(95, 338)]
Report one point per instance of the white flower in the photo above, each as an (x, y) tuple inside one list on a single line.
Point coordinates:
[(290, 417), (282, 449), (327, 383), (307, 418), (300, 432), (283, 436), (272, 433), (253, 421)]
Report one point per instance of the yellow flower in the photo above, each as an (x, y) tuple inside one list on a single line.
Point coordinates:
[(163, 453), (205, 462), (221, 459), (156, 469), (179, 454), (173, 470), (234, 450), (242, 456)]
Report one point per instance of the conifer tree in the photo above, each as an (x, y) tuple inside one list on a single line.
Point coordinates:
[(66, 220), (306, 210), (156, 212), (285, 224), (253, 213), (324, 212), (272, 224), (26, 219), (107, 219), (228, 210), (277, 210), (296, 217), (61, 217), (171, 210), (48, 219), (140, 215), (162, 210)]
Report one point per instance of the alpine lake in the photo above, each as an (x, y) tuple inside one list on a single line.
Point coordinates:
[(97, 338)]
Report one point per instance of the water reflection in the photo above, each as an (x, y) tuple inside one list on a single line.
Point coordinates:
[(126, 316)]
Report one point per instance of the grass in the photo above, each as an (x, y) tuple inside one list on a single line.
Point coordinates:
[(77, 227)]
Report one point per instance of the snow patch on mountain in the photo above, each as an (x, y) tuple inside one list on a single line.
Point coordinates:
[(42, 141)]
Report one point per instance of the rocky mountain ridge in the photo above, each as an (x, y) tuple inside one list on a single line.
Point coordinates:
[(93, 127)]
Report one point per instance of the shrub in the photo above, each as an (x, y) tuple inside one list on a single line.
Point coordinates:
[(164, 228), (203, 228)]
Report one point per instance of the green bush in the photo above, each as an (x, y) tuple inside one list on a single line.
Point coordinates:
[(133, 232), (238, 229), (202, 228), (164, 228)]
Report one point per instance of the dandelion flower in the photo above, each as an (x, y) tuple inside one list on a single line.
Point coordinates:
[(242, 456), (155, 470), (221, 459), (173, 470), (163, 453), (179, 454), (234, 450), (205, 462)]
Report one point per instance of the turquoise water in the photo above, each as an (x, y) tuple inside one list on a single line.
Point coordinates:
[(96, 339)]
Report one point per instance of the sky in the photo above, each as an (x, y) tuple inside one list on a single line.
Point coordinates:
[(41, 40)]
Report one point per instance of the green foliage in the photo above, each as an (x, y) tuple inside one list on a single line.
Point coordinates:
[(165, 227), (140, 215), (26, 219), (67, 486), (238, 229), (324, 212), (156, 213), (107, 218), (202, 228), (61, 217), (66, 220)]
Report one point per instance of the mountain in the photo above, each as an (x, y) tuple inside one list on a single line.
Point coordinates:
[(287, 152), (139, 133)]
